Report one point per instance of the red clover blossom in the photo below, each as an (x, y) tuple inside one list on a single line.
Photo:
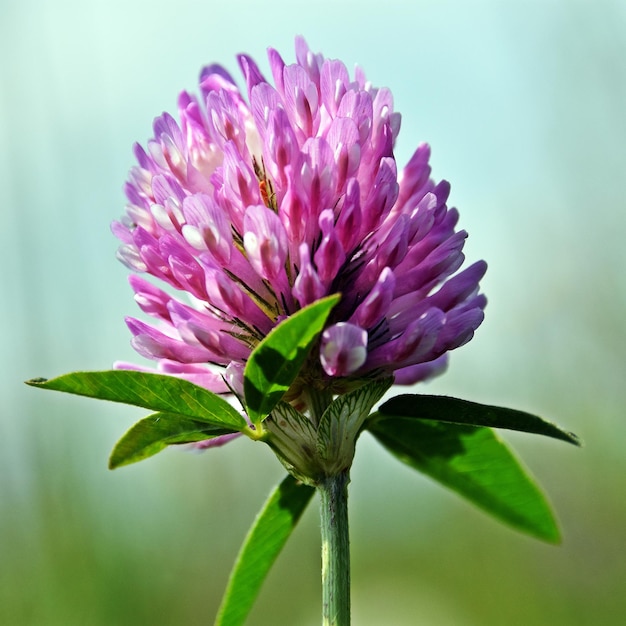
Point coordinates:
[(258, 207)]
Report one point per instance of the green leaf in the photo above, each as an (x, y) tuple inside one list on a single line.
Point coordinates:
[(341, 422), (472, 461), (265, 540), (157, 392), (457, 411), (154, 433), (275, 362)]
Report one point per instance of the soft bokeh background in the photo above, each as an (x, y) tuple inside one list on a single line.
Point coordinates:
[(524, 104)]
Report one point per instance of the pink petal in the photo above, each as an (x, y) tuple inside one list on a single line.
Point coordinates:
[(343, 349)]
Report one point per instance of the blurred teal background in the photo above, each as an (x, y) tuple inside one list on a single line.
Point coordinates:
[(524, 104)]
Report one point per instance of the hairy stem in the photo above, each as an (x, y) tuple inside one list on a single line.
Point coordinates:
[(335, 550)]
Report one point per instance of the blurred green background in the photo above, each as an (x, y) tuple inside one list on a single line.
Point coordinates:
[(524, 104)]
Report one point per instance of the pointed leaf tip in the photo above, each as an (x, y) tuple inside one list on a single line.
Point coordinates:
[(457, 411), (33, 382), (158, 392), (475, 463)]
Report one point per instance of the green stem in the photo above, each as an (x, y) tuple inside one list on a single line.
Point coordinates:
[(335, 550)]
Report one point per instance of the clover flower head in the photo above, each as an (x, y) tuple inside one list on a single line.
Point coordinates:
[(254, 205)]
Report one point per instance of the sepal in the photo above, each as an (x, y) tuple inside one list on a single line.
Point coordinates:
[(342, 422), (293, 437), (312, 452)]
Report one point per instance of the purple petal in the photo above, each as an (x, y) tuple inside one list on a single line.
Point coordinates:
[(233, 375), (207, 228), (131, 258), (216, 78), (412, 346), (459, 328), (358, 106), (295, 213), (154, 344), (316, 176), (460, 287), (421, 372), (224, 119), (277, 66), (150, 299), (382, 195), (415, 174), (375, 306), (265, 241), (308, 60), (301, 100), (281, 146), (228, 297), (330, 256), (241, 186), (334, 82), (343, 139), (348, 227), (343, 349), (251, 71), (307, 287), (263, 100)]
